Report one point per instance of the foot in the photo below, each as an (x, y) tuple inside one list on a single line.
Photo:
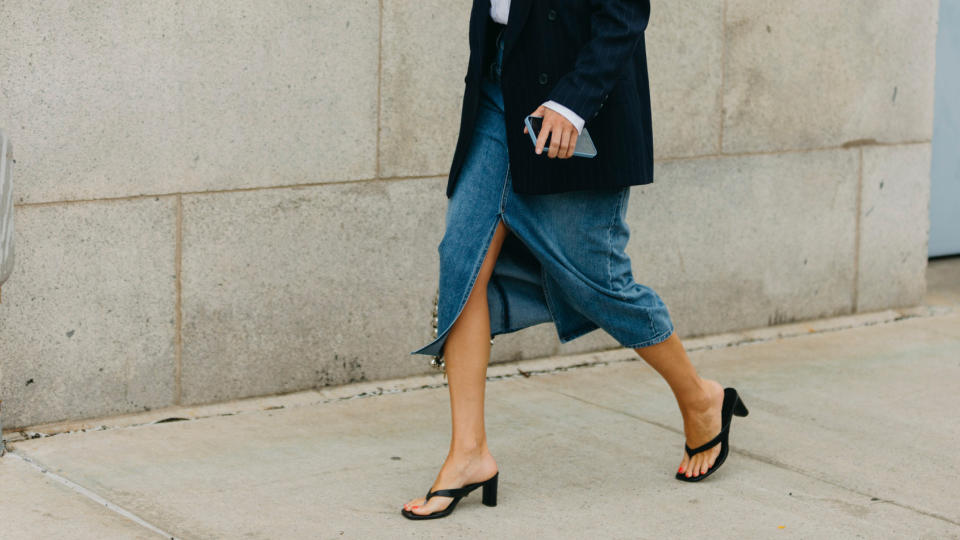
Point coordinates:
[(459, 469), (701, 423)]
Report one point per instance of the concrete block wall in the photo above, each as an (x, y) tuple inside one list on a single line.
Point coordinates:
[(225, 199)]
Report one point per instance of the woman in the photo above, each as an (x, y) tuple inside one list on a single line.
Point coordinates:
[(534, 234)]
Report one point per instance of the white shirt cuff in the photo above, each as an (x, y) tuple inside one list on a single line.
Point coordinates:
[(573, 117)]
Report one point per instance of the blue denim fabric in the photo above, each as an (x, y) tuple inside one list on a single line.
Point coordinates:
[(563, 261)]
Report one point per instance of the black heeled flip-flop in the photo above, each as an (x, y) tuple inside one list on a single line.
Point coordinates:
[(732, 405), (489, 497)]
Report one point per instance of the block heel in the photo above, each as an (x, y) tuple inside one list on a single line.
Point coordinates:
[(739, 409), (490, 491)]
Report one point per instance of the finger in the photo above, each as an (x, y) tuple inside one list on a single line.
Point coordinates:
[(542, 138), (555, 135), (573, 141), (565, 144), (524, 129)]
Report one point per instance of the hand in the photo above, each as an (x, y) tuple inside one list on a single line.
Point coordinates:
[(559, 129)]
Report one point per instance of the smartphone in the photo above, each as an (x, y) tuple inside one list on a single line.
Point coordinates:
[(584, 148)]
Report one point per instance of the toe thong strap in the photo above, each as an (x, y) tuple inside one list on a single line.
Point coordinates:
[(453, 492), (706, 446)]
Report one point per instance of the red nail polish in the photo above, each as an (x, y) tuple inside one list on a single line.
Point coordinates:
[(680, 469)]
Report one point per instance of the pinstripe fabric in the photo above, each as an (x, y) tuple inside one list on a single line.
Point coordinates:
[(588, 55)]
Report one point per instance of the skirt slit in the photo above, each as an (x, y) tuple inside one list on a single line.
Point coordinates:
[(458, 272)]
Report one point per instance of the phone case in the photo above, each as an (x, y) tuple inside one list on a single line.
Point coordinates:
[(585, 147)]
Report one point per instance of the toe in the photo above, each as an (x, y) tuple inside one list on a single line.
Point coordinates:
[(435, 504), (714, 456), (419, 508), (413, 502)]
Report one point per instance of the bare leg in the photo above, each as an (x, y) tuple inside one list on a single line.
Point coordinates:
[(466, 354), (700, 400)]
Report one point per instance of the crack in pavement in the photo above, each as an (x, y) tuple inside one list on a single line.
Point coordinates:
[(77, 488)]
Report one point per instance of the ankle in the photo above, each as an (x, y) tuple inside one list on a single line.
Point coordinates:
[(699, 398), (469, 449)]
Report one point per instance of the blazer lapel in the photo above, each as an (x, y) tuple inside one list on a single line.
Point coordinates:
[(518, 15)]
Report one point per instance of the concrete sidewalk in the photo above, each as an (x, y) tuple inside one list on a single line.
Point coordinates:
[(852, 433)]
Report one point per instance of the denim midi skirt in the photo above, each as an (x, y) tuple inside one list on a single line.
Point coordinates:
[(562, 261)]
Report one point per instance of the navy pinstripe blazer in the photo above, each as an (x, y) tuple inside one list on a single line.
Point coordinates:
[(588, 55)]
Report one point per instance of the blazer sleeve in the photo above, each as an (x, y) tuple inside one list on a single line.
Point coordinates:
[(616, 27)]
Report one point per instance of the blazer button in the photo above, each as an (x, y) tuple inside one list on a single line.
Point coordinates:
[(552, 15), (543, 78)]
